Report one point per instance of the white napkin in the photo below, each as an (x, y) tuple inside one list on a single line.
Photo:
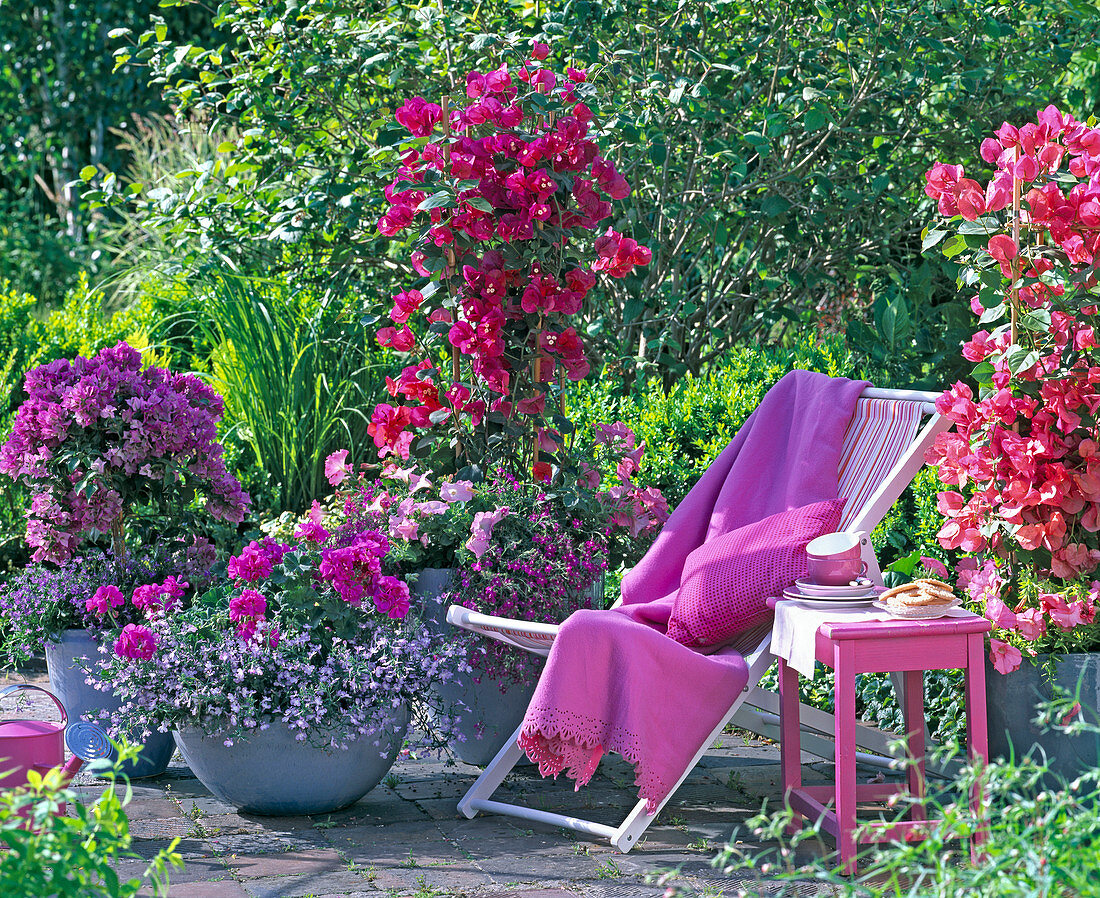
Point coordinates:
[(794, 630)]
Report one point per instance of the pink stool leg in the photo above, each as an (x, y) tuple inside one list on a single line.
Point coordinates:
[(790, 736), (912, 702), (977, 733), (845, 761)]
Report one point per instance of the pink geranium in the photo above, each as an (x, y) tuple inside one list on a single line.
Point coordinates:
[(249, 603), (252, 564), (136, 642), (104, 599)]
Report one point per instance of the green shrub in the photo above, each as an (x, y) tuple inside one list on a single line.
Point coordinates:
[(685, 429), (50, 855)]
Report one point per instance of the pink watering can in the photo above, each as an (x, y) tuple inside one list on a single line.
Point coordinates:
[(27, 745)]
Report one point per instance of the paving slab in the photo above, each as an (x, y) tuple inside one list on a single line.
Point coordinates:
[(406, 838)]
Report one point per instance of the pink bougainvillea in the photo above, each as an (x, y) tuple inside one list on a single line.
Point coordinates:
[(1023, 459), (507, 194), (100, 439)]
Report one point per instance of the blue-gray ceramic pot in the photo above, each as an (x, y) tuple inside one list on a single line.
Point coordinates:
[(270, 772), (71, 662)]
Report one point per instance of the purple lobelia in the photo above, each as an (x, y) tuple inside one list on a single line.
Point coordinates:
[(103, 440)]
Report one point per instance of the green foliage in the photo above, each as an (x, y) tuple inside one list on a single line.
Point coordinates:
[(298, 380), (1042, 837), (912, 524), (59, 104), (36, 254), (51, 855), (685, 429), (776, 150)]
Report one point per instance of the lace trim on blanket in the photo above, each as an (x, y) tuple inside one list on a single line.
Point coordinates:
[(560, 741)]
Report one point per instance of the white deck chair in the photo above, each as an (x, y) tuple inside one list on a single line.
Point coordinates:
[(883, 450)]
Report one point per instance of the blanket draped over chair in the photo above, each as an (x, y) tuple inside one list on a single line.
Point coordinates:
[(613, 680)]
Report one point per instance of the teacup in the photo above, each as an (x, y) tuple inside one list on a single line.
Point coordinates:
[(835, 559)]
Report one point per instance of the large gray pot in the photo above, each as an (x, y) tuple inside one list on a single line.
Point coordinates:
[(1012, 708), (269, 772), (487, 710), (484, 711), (70, 662)]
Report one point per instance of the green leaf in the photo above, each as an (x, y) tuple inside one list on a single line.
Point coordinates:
[(1036, 320), (87, 172), (774, 205), (995, 313), (439, 200), (479, 202), (930, 238), (954, 246)]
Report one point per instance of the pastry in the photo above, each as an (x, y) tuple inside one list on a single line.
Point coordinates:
[(923, 592)]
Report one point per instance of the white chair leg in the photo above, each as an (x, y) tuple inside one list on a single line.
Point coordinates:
[(493, 775)]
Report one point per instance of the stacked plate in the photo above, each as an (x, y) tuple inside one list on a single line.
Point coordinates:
[(854, 595)]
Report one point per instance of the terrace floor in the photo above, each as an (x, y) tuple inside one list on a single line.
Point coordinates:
[(405, 839)]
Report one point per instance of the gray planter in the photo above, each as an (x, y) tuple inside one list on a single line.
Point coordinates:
[(271, 773), (486, 714), (70, 662), (495, 709), (487, 710), (1012, 700), (427, 597)]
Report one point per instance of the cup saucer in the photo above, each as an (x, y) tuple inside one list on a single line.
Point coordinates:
[(808, 587)]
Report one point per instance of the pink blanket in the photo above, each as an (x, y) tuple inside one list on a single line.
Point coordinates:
[(614, 681)]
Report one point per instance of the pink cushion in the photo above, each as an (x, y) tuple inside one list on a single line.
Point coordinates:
[(727, 580)]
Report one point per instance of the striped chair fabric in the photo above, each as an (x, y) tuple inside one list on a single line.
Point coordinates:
[(879, 432)]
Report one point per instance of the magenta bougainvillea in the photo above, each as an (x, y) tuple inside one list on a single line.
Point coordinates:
[(509, 194), (1024, 456), (104, 438)]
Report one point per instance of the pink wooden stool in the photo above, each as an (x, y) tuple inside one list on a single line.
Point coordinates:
[(870, 646)]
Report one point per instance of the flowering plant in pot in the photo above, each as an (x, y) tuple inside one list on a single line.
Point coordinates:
[(115, 456), (308, 651), (1023, 459), (103, 444), (538, 552), (1022, 463)]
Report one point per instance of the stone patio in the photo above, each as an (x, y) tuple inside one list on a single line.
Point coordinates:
[(405, 839)]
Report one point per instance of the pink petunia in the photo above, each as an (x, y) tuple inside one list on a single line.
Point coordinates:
[(1000, 614), (311, 531), (935, 566), (458, 491), (1031, 624), (337, 467), (1005, 657)]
